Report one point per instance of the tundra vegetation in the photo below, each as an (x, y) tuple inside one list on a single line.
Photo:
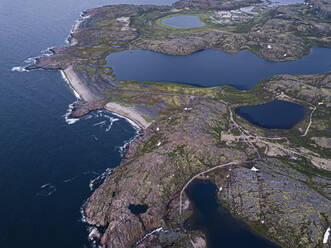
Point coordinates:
[(195, 132)]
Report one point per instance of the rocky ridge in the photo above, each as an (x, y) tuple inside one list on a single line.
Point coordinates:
[(286, 198)]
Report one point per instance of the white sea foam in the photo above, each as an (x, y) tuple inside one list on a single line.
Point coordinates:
[(135, 125), (47, 52), (44, 185), (30, 60), (101, 123), (99, 179), (71, 121), (67, 81), (69, 179), (19, 69), (87, 117), (105, 123), (46, 190), (122, 149), (111, 122), (326, 236), (67, 118), (83, 218)]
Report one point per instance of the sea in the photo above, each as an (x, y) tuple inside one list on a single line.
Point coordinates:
[(47, 160)]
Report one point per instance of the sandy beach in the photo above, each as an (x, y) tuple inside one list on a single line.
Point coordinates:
[(78, 86), (129, 113), (82, 91)]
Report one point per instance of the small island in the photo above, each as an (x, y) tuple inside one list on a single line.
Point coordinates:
[(277, 181)]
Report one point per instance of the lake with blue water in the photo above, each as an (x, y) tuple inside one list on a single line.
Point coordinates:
[(273, 115), (47, 163), (211, 67), (183, 21)]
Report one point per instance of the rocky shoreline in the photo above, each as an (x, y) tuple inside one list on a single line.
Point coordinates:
[(192, 131)]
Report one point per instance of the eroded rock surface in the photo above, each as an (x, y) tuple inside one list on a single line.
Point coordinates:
[(279, 197)]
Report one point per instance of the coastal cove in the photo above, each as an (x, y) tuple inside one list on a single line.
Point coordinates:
[(209, 67)]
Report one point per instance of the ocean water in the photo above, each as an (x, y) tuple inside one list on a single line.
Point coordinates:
[(211, 67), (45, 163), (276, 114), (46, 160)]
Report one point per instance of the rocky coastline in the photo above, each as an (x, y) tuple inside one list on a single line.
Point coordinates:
[(192, 131)]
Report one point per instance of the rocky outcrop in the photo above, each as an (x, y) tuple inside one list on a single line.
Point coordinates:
[(277, 196), (81, 108), (279, 199), (284, 197)]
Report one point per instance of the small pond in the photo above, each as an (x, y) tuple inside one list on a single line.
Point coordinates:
[(217, 223), (211, 67), (276, 114), (183, 21)]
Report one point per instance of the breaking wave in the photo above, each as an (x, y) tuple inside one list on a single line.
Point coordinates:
[(47, 189), (68, 83), (19, 69), (67, 117)]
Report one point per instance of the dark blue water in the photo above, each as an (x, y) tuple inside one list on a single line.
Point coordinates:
[(275, 114), (37, 147), (220, 227), (183, 21), (45, 163), (211, 67)]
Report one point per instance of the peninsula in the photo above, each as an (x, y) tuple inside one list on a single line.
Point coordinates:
[(276, 181)]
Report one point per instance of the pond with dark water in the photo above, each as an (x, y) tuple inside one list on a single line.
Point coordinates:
[(273, 115)]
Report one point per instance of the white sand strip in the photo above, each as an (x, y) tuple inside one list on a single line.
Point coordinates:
[(129, 113), (77, 85)]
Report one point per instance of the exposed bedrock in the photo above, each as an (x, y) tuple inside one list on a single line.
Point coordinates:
[(278, 200)]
